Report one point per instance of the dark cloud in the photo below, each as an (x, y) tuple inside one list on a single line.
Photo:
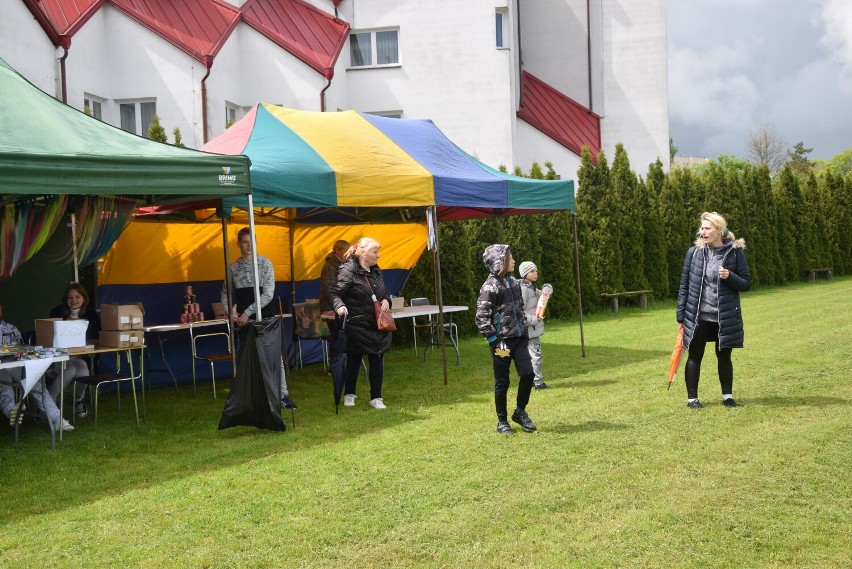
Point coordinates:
[(737, 64)]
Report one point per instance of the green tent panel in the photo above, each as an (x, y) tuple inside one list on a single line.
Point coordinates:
[(47, 147)]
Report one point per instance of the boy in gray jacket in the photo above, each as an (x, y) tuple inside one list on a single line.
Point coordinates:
[(535, 326)]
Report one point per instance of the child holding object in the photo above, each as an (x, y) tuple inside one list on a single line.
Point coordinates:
[(532, 297), (500, 319)]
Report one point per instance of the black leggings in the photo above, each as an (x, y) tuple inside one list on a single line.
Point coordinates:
[(376, 373), (520, 354), (707, 332)]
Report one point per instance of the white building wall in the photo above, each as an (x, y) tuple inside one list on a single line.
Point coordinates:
[(635, 69), (554, 45), (628, 67), (450, 72), (25, 46), (269, 74), (535, 146)]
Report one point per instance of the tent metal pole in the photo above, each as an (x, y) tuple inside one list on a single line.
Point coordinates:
[(436, 256), (257, 307), (579, 286), (229, 304), (292, 219)]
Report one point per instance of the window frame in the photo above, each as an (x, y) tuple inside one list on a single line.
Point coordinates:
[(374, 51), (141, 130), (501, 28), (95, 104)]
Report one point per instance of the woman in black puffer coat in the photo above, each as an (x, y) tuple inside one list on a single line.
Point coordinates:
[(359, 283), (715, 271)]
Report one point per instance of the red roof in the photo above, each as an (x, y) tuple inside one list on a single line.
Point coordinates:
[(561, 118), (61, 18), (198, 27), (307, 32)]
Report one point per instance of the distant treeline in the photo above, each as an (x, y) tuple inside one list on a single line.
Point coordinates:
[(634, 232)]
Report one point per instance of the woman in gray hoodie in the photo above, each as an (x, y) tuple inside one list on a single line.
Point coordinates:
[(715, 271)]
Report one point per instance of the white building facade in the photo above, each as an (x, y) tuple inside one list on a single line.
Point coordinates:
[(459, 64)]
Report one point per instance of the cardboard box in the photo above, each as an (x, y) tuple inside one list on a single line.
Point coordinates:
[(58, 333), (121, 338), (122, 316)]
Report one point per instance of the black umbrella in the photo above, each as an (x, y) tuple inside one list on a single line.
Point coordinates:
[(338, 363)]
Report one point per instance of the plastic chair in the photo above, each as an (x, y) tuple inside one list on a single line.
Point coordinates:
[(211, 358), (95, 382)]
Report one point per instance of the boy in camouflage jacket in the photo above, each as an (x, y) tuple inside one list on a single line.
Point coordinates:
[(500, 319)]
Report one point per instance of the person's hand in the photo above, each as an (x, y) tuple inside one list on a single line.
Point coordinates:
[(242, 319), (342, 311), (385, 305), (234, 314), (724, 273)]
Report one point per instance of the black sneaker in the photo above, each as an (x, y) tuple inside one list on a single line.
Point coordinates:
[(287, 403), (504, 428), (730, 402), (542, 386), (80, 409), (695, 404), (520, 417)]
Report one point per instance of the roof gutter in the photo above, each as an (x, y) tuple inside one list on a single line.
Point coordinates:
[(208, 63), (329, 75), (589, 51), (64, 43)]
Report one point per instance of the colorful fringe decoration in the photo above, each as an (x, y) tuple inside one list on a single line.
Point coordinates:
[(25, 227), (100, 221)]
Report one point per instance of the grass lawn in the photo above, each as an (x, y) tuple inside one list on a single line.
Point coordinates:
[(619, 474)]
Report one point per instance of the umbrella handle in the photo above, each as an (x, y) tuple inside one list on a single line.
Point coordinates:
[(343, 324)]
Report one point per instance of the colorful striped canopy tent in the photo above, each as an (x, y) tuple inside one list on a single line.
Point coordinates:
[(349, 165)]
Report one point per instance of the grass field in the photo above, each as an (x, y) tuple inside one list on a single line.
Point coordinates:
[(619, 474)]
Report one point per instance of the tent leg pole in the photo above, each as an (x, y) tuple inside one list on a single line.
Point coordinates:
[(228, 292), (579, 286), (257, 307), (436, 256)]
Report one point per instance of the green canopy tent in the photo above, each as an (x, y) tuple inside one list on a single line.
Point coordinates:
[(50, 153), (48, 148)]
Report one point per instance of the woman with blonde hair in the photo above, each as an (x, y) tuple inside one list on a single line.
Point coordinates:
[(715, 271), (359, 285)]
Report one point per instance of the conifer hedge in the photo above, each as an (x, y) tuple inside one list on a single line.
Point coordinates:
[(633, 232)]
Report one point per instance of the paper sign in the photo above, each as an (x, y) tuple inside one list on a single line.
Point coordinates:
[(35, 370)]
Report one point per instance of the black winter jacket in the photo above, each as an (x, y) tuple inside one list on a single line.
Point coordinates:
[(500, 306), (351, 291), (731, 332)]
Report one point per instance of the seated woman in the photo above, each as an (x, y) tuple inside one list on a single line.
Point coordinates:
[(75, 306), (43, 401)]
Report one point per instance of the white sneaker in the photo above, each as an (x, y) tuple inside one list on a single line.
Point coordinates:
[(349, 400), (66, 426), (377, 403)]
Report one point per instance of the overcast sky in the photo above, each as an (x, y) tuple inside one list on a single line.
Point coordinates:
[(737, 64)]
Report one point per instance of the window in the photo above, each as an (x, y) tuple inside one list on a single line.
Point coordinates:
[(374, 48), (502, 28), (94, 106), (137, 116)]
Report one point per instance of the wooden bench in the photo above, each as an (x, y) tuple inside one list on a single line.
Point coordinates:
[(829, 273), (613, 297)]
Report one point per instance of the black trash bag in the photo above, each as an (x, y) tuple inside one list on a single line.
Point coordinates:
[(255, 398)]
